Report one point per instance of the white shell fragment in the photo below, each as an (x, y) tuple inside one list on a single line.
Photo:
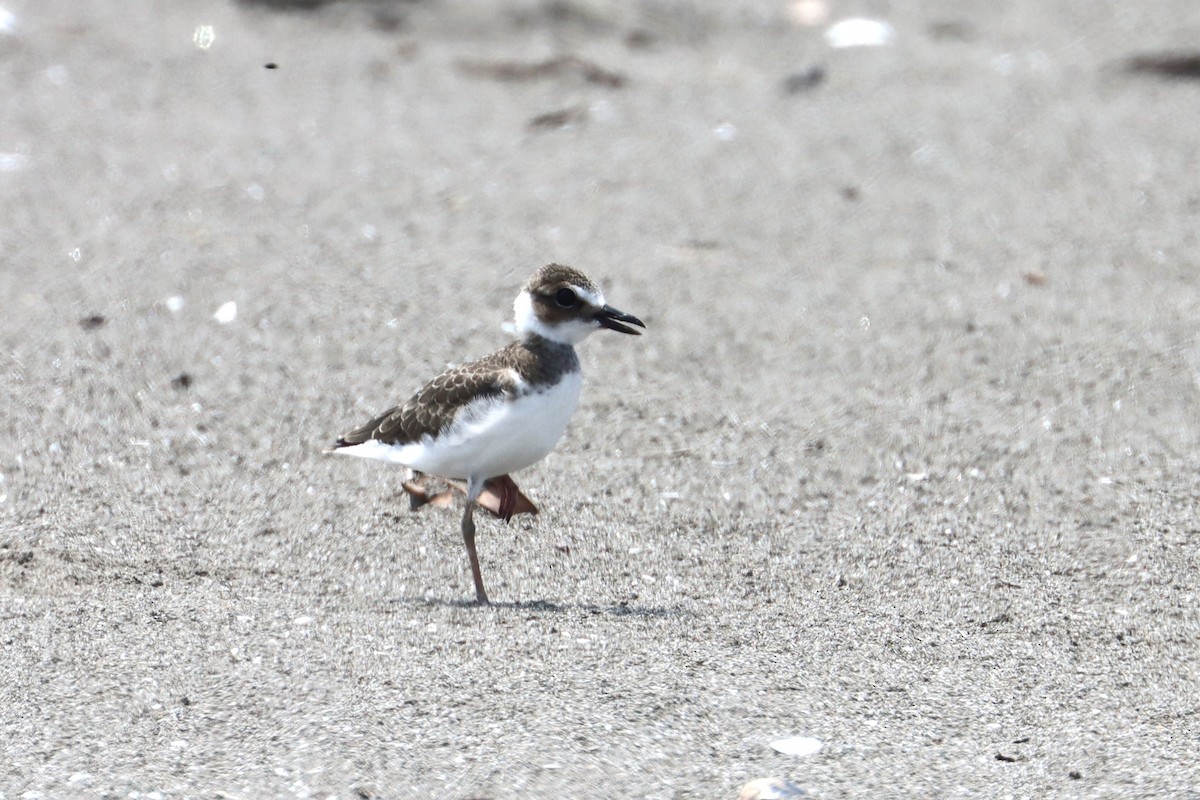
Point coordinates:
[(11, 162), (796, 746), (226, 313), (859, 32), (204, 36), (770, 789)]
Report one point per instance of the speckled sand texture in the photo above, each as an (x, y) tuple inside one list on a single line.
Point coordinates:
[(906, 462)]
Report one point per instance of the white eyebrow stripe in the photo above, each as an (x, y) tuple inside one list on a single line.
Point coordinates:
[(591, 298)]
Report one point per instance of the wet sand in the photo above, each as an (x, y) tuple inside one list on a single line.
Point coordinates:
[(905, 462)]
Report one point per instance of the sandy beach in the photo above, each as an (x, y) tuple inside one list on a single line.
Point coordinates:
[(906, 461)]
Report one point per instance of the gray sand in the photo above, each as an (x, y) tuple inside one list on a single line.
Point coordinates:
[(906, 460)]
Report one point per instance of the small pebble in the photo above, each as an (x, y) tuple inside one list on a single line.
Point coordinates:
[(770, 789), (803, 80), (92, 321)]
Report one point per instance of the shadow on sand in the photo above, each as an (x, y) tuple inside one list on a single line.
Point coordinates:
[(546, 607)]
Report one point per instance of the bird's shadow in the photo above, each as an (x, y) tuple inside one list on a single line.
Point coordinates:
[(547, 607)]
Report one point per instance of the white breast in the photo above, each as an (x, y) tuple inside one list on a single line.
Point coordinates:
[(489, 438)]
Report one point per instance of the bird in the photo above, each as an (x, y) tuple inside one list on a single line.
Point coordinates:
[(475, 424)]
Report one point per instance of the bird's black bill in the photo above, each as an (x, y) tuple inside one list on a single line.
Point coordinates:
[(610, 318)]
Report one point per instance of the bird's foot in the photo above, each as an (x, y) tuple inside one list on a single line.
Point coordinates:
[(420, 495), (507, 497), (501, 497)]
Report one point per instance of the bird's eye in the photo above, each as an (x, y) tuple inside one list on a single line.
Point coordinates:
[(565, 298)]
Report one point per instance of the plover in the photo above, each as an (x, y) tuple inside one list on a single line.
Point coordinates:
[(481, 421)]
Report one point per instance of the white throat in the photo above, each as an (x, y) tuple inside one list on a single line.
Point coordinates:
[(571, 332)]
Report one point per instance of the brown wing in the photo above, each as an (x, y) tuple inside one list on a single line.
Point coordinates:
[(433, 408)]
